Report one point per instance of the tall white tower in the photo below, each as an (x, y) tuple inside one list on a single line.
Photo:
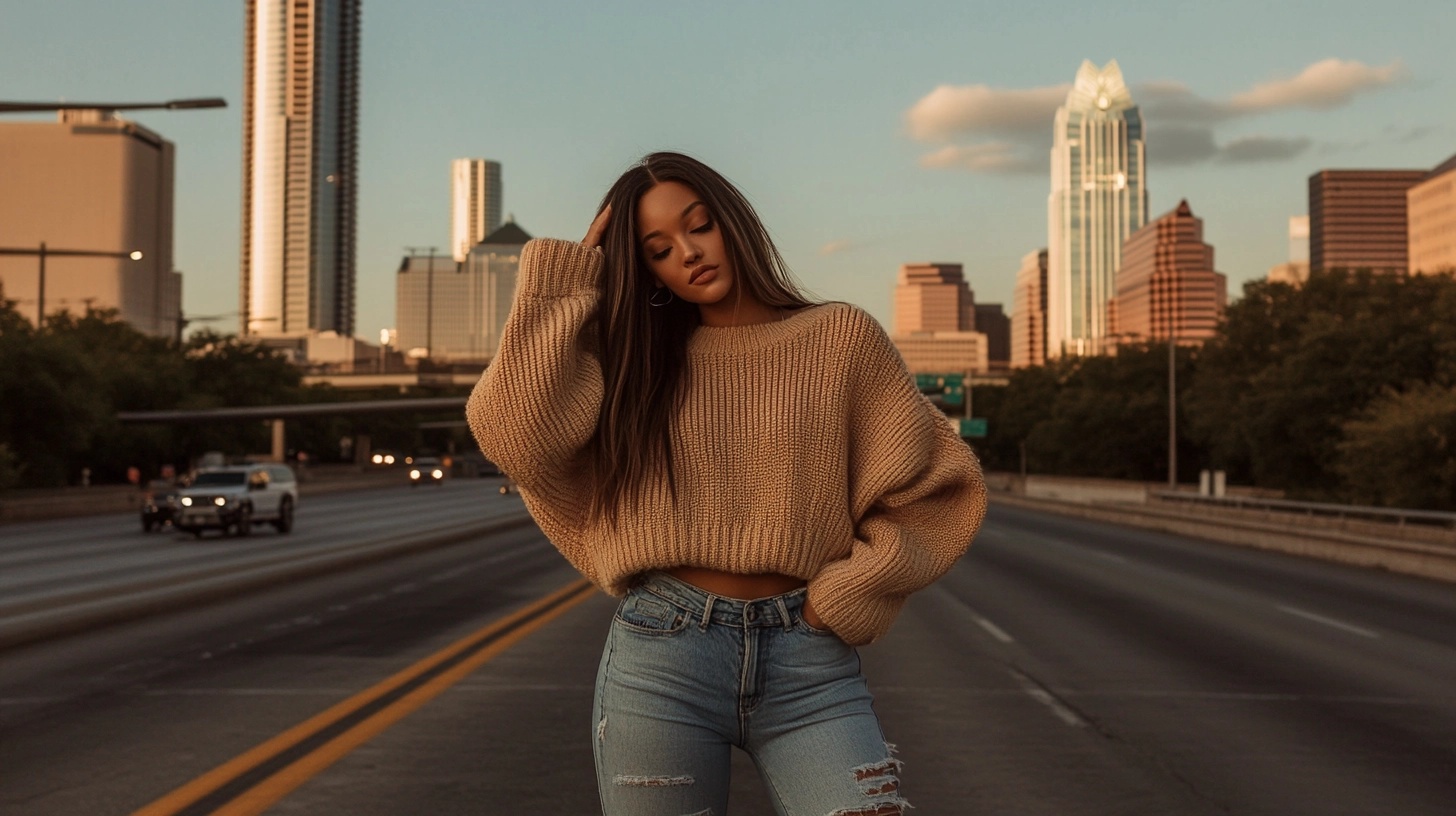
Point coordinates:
[(300, 151), (1099, 197), (475, 203)]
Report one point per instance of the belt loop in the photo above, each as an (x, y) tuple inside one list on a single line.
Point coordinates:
[(707, 613), (784, 611)]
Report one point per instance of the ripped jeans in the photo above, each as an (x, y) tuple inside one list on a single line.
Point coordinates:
[(686, 675)]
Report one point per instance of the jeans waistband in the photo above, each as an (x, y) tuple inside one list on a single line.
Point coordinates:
[(772, 611)]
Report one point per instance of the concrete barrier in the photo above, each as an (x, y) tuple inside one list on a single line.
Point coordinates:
[(96, 607), (1406, 557)]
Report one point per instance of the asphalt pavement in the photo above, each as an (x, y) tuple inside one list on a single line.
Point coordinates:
[(1063, 667)]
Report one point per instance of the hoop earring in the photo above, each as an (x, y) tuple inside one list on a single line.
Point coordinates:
[(652, 302)]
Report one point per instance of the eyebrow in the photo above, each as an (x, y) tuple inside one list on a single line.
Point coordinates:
[(686, 210)]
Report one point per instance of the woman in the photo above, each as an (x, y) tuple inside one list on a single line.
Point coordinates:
[(754, 474)]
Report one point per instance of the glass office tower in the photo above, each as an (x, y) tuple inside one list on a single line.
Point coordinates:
[(300, 151), (1099, 197)]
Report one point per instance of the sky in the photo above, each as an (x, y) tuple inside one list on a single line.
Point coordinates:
[(867, 134)]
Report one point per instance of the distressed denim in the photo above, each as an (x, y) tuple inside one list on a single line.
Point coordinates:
[(686, 675)]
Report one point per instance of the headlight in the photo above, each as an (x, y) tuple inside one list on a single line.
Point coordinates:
[(186, 501), (414, 474), (437, 473), (378, 459), (389, 459), (220, 501)]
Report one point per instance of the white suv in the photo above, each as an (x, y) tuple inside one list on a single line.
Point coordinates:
[(236, 497)]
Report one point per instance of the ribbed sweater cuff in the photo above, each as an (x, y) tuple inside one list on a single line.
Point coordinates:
[(848, 607), (552, 267)]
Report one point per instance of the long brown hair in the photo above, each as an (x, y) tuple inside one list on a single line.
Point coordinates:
[(643, 347)]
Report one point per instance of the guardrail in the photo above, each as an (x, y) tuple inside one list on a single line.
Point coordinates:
[(1283, 508)]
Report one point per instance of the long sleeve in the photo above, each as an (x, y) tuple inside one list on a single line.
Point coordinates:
[(536, 406), (917, 498)]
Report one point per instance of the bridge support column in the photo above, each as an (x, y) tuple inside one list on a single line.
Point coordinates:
[(279, 449)]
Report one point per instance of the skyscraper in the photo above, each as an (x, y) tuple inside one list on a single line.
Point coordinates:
[(475, 203), (300, 137), (933, 297), (935, 320), (1028, 312), (1098, 198), (1357, 219), (1167, 286)]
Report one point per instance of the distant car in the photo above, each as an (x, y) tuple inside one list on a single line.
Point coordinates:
[(383, 459), (236, 497), (159, 504), (426, 469)]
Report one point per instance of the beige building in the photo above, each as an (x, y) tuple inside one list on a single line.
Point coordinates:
[(1431, 211), (300, 160), (456, 312), (91, 182), (475, 204), (935, 320), (1029, 312), (933, 297), (1166, 286), (944, 352)]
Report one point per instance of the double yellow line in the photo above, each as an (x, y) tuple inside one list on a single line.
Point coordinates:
[(253, 781)]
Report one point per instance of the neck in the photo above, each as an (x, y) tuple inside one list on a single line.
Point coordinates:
[(745, 313)]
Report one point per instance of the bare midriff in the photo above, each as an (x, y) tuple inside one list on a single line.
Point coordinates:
[(737, 585)]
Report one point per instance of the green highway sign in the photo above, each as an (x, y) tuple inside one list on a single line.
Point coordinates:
[(950, 387), (974, 428)]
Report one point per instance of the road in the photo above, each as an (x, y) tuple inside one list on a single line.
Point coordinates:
[(1063, 667)]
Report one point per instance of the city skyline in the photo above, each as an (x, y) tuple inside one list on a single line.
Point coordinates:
[(858, 164)]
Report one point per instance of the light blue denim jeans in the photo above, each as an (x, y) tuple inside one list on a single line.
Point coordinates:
[(686, 675)]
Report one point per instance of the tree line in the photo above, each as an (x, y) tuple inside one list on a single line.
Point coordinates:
[(63, 383), (1343, 389)]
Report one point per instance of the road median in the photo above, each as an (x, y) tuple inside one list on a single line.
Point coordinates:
[(34, 620), (1406, 557)]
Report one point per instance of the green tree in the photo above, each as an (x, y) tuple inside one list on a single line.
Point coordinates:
[(1291, 367), (1401, 451)]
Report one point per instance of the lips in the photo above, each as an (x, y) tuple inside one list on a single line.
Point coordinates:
[(705, 270)]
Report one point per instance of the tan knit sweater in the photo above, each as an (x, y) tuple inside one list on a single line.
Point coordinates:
[(803, 448)]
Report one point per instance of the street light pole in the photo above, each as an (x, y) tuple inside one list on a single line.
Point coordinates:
[(1172, 408), (42, 252)]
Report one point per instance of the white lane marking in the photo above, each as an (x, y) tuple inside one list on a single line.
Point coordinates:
[(1042, 696), (1109, 556), (1066, 714), (1328, 621), (996, 631)]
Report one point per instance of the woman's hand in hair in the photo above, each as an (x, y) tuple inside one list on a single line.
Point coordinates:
[(598, 228)]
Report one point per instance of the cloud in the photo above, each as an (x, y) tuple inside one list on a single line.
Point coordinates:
[(952, 110), (987, 157), (1014, 126), (1176, 144), (1325, 85), (836, 247), (1262, 149)]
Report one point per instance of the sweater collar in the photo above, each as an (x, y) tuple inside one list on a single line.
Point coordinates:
[(723, 340)]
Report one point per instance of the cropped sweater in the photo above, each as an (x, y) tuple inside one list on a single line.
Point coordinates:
[(803, 448)]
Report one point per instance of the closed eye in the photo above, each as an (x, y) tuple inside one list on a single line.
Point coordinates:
[(707, 226), (660, 255)]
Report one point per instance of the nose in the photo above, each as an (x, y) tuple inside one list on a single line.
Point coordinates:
[(691, 252)]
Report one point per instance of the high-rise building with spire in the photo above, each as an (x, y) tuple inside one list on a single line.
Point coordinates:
[(1098, 198), (475, 203), (300, 151)]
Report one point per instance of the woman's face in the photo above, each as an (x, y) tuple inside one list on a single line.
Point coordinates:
[(683, 244)]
